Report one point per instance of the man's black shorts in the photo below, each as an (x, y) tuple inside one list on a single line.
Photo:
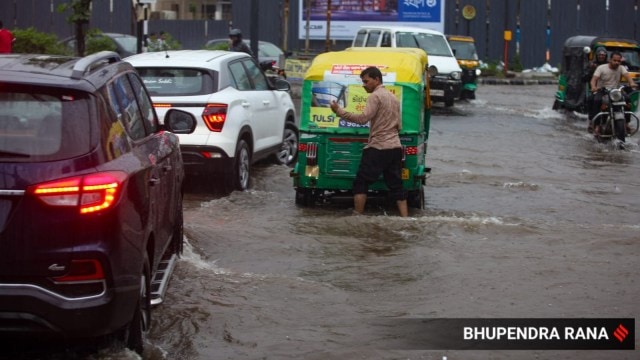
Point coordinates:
[(374, 162)]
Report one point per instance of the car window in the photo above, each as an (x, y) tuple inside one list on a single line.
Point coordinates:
[(256, 75), (127, 43), (406, 40), (433, 44), (374, 35), (464, 50), (360, 36), (40, 123), (267, 49), (386, 39), (177, 81), (123, 101), (240, 79), (148, 114)]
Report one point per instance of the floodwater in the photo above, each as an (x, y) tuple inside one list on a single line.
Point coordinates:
[(526, 216)]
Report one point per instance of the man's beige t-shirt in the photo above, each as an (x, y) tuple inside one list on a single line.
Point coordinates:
[(382, 110), (609, 78)]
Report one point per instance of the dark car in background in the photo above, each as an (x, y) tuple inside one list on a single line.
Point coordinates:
[(90, 198), (124, 44), (266, 50)]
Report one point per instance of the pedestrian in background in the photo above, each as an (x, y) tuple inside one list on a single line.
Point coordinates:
[(6, 40)]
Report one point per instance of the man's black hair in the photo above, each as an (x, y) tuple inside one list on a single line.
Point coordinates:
[(373, 72)]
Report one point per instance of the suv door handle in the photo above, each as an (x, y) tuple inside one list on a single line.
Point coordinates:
[(266, 102), (245, 104)]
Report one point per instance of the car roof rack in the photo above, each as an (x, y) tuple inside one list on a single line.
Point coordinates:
[(87, 62)]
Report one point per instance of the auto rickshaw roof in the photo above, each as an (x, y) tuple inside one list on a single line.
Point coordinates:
[(593, 41), (460, 38), (409, 64)]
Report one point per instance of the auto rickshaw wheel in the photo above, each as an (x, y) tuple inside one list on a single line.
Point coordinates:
[(305, 197), (415, 198)]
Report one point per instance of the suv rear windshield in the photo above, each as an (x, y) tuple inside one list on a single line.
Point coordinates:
[(177, 81), (39, 123)]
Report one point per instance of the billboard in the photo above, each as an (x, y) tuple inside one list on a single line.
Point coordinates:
[(346, 16)]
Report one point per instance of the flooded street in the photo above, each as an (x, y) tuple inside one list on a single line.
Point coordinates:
[(526, 216)]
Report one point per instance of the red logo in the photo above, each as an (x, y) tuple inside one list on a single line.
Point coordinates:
[(621, 333)]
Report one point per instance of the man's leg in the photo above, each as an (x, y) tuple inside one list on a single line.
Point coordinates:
[(402, 208), (359, 201)]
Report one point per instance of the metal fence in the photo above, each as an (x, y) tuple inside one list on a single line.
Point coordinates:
[(539, 27)]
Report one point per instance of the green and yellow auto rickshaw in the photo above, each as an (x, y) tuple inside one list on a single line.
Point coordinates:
[(577, 53), (464, 49), (330, 147)]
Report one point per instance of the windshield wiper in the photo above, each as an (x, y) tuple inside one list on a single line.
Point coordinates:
[(13, 154)]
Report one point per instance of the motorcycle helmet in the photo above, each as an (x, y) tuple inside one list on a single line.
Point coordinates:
[(235, 32)]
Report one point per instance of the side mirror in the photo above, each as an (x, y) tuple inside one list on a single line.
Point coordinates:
[(179, 122), (282, 84)]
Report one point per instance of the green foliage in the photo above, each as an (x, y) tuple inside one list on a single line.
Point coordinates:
[(491, 69), (172, 44), (33, 41), (80, 11), (220, 46), (166, 42), (516, 64), (96, 42)]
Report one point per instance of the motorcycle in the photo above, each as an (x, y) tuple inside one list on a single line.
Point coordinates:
[(270, 69), (615, 120)]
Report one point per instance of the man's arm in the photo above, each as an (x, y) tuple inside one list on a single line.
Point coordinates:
[(594, 82), (632, 83), (370, 109)]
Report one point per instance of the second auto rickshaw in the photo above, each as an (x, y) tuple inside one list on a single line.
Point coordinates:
[(578, 51), (330, 147), (464, 49)]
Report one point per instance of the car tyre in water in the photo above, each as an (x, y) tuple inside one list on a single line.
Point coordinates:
[(134, 333), (289, 150), (415, 198), (448, 102), (242, 166)]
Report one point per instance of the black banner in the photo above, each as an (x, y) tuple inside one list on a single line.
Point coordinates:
[(506, 334)]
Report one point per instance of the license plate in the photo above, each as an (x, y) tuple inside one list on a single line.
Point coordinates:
[(436, 92), (405, 174)]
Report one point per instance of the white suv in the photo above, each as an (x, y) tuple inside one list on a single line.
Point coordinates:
[(242, 116)]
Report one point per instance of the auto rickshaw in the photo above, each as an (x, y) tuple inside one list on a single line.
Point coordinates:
[(578, 51), (464, 49), (330, 147)]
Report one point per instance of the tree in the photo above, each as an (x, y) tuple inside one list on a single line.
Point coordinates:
[(80, 16)]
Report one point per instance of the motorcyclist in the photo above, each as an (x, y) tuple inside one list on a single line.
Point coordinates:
[(607, 76), (600, 58), (236, 43)]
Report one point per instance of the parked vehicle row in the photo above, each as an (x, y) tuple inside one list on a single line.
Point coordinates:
[(617, 117), (242, 117), (91, 178), (90, 197), (444, 72)]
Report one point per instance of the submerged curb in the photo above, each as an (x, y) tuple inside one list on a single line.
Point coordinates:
[(516, 81)]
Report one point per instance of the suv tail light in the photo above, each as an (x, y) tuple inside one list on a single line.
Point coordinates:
[(90, 193), (214, 116), (82, 270)]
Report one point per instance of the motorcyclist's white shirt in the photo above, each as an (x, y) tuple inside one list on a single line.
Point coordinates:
[(608, 78)]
